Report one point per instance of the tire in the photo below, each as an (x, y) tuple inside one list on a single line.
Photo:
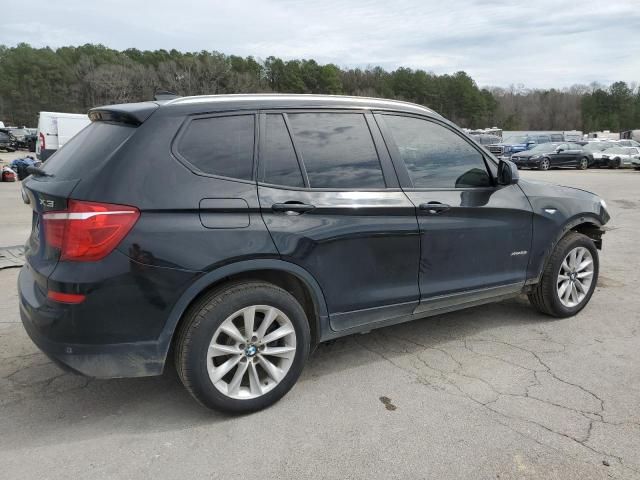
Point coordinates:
[(583, 163), (546, 296), (615, 163), (545, 164), (202, 327)]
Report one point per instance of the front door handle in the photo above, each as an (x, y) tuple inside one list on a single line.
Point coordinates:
[(434, 208), (292, 207)]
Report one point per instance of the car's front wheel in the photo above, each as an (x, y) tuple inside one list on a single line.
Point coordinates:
[(569, 277), (545, 164), (241, 348)]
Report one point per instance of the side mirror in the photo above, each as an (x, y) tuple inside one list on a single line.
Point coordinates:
[(507, 173), (559, 150)]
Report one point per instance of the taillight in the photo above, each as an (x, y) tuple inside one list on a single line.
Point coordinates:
[(42, 142), (88, 231)]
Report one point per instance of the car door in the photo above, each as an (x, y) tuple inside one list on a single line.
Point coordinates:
[(331, 200), (475, 235), (559, 157), (573, 155)]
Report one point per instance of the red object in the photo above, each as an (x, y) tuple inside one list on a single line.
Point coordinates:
[(88, 231), (8, 175), (60, 297), (42, 142)]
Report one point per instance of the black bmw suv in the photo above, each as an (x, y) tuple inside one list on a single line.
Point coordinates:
[(234, 233)]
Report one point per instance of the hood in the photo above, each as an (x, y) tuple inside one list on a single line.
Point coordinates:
[(525, 154)]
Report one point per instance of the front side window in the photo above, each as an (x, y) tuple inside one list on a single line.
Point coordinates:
[(220, 145), (435, 156), (337, 150)]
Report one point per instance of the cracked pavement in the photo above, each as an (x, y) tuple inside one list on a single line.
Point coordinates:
[(497, 391)]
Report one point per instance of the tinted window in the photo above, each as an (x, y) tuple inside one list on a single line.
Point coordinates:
[(435, 156), (278, 157), (220, 145), (337, 150), (87, 150)]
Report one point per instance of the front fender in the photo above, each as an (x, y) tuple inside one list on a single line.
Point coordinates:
[(205, 281), (557, 210)]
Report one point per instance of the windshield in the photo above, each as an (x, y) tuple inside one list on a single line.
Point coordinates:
[(596, 147), (546, 147), (517, 139), (615, 150)]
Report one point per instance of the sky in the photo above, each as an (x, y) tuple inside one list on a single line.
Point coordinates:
[(538, 43)]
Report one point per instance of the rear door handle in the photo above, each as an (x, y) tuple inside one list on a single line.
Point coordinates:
[(292, 207), (434, 208)]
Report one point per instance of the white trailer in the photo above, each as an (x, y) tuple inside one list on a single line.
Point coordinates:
[(55, 129)]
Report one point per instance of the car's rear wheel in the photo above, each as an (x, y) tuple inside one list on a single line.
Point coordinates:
[(569, 277), (583, 164), (242, 348), (545, 164)]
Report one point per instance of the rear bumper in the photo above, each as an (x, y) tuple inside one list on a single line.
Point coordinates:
[(97, 339)]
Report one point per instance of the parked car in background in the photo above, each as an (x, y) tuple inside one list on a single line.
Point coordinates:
[(557, 137), (572, 136), (628, 143), (55, 129), (595, 149), (31, 139), (7, 140), (485, 139), (235, 252), (618, 157), (551, 155), (516, 144), (635, 163), (24, 138)]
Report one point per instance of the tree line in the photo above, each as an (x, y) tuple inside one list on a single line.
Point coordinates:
[(74, 79)]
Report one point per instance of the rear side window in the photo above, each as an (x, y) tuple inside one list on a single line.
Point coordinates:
[(87, 150), (278, 158), (435, 156), (337, 150), (220, 145)]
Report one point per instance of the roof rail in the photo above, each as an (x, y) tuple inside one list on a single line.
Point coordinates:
[(165, 95)]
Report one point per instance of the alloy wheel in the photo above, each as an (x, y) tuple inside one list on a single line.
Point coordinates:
[(544, 164), (584, 164), (251, 352), (575, 277)]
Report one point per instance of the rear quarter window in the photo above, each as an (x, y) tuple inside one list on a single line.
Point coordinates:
[(87, 150), (220, 145)]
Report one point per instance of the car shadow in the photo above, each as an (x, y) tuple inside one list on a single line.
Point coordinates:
[(57, 404)]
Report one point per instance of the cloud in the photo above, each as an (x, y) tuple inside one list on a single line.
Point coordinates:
[(540, 43)]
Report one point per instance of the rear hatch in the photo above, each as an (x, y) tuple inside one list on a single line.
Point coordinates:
[(51, 189)]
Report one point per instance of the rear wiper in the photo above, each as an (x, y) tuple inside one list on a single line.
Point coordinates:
[(38, 172)]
